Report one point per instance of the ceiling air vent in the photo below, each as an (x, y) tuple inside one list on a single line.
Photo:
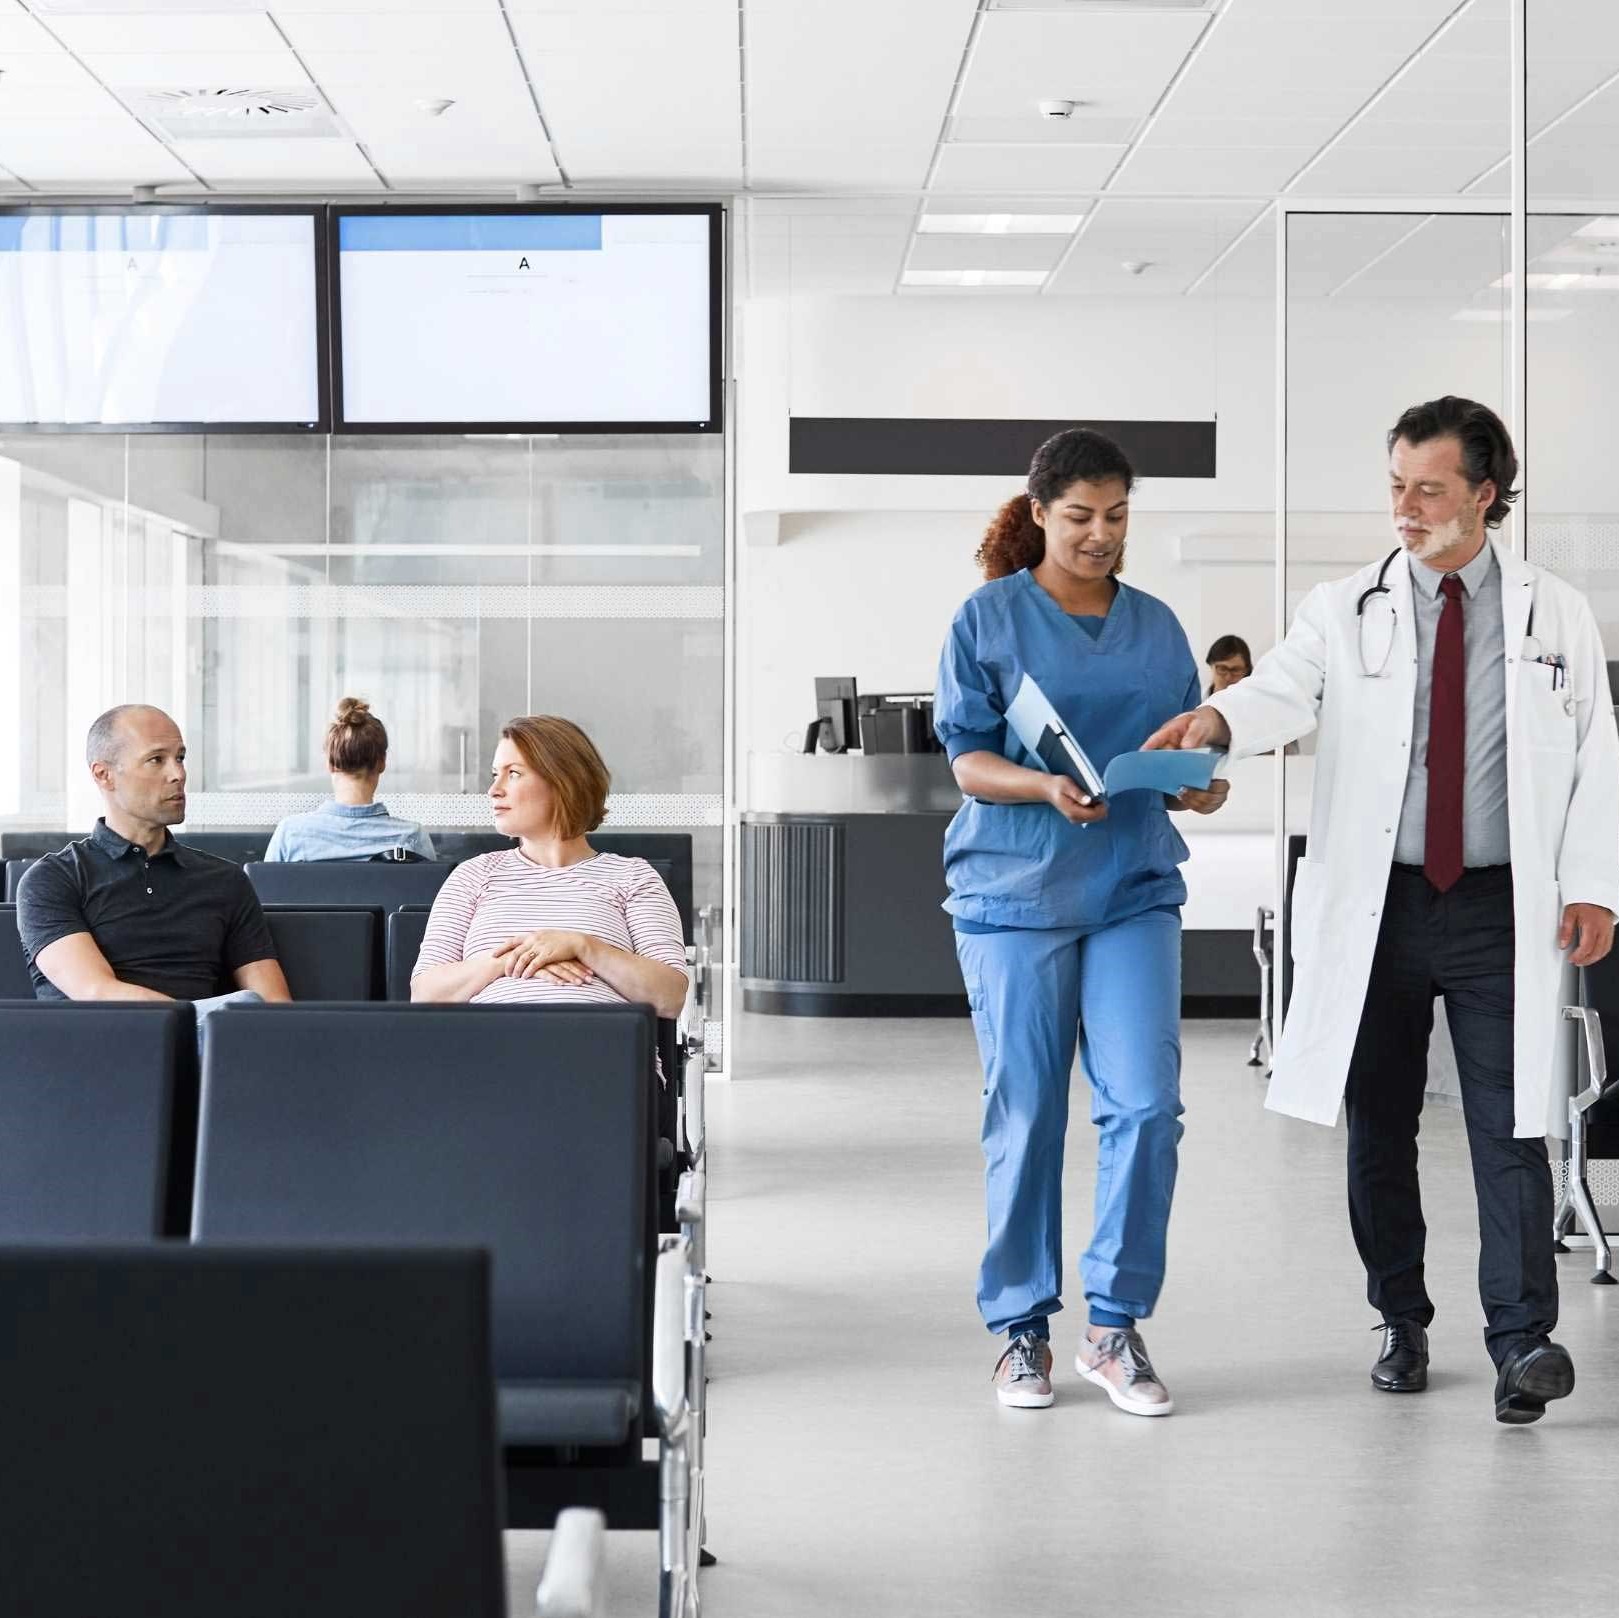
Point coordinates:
[(210, 114)]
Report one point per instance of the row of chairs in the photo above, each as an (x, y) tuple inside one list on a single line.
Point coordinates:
[(450, 847), (527, 1132)]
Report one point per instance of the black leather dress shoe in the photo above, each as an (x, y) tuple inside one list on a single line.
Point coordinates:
[(1536, 1372), (1402, 1367)]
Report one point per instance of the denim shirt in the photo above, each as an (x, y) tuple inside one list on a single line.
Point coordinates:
[(346, 831)]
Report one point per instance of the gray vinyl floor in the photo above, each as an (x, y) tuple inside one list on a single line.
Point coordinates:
[(858, 1461)]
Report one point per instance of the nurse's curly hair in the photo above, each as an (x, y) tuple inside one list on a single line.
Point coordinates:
[(1014, 540)]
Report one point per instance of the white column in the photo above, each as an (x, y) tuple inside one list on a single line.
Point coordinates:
[(91, 663), (11, 683)]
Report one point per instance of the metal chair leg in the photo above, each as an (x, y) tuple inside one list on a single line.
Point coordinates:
[(1579, 1188), (1259, 1053)]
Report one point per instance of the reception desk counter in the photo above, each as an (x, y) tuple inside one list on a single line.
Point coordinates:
[(843, 879)]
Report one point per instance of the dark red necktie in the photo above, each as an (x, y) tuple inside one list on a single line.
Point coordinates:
[(1447, 743)]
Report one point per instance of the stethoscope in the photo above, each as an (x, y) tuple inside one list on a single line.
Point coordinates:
[(1379, 595)]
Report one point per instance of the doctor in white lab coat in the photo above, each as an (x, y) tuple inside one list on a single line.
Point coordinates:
[(1464, 843)]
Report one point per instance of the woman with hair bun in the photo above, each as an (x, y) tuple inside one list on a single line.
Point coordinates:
[(353, 825), (1067, 915)]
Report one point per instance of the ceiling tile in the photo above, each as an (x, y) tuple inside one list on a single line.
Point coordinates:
[(209, 69), (1013, 169), (291, 162), (86, 149), (431, 73), (150, 33), (449, 29), (1421, 170), (1211, 170), (1115, 64), (678, 33), (834, 101)]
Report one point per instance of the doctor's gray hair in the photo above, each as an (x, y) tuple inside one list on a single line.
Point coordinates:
[(1487, 451)]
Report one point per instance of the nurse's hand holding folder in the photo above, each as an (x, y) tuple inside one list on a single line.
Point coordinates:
[(994, 779)]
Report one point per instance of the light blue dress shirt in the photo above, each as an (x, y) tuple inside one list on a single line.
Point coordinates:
[(346, 831), (1486, 838)]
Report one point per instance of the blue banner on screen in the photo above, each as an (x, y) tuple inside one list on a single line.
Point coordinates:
[(150, 319), (470, 233), (511, 319)]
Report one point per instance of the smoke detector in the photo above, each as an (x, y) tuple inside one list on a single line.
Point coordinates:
[(208, 113), (1057, 109), (433, 106), (1136, 266)]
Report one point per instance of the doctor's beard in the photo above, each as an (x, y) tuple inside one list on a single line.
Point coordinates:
[(1459, 531)]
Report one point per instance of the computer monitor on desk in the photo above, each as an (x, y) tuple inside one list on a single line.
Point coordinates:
[(898, 722), (835, 724)]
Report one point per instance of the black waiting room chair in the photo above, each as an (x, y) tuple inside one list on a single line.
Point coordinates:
[(385, 884), (192, 1432), (526, 1131), (327, 954), (15, 982), (97, 1121)]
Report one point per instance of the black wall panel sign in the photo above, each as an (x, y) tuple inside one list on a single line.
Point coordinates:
[(909, 446)]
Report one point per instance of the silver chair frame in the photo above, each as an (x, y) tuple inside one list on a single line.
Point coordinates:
[(1259, 1053), (1576, 1199)]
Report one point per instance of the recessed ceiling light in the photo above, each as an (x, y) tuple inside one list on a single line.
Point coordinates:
[(999, 224), (974, 278)]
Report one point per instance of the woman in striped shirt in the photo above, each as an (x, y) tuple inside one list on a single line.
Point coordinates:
[(552, 920)]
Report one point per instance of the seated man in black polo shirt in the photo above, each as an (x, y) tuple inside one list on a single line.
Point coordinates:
[(127, 913)]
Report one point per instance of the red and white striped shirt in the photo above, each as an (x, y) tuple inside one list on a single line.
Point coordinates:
[(487, 900)]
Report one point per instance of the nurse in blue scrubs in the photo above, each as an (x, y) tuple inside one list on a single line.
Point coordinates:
[(1067, 915)]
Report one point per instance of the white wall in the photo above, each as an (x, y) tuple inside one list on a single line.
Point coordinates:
[(866, 571)]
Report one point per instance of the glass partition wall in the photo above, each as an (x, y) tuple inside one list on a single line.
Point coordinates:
[(246, 583)]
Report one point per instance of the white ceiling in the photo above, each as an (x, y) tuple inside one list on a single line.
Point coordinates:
[(841, 121)]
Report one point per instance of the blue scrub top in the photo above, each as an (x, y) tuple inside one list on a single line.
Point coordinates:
[(1023, 865)]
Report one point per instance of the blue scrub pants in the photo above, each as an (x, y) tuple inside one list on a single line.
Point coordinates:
[(1033, 993)]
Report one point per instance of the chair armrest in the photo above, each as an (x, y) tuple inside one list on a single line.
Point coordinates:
[(669, 1336), (570, 1586), (1596, 1058), (1261, 916), (691, 1197), (692, 1098)]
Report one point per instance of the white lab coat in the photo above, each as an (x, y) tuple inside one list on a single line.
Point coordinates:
[(1563, 810)]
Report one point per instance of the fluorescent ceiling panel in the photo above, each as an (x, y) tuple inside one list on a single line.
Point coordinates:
[(973, 278), (998, 224), (986, 252)]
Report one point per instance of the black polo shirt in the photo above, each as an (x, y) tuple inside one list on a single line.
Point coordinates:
[(178, 921)]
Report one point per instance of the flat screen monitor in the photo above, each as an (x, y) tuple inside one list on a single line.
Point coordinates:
[(603, 319), (160, 319), (835, 702)]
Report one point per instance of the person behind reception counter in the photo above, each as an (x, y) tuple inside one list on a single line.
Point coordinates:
[(1229, 661), (1067, 915)]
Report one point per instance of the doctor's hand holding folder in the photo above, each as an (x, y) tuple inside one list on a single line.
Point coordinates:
[(1079, 791)]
